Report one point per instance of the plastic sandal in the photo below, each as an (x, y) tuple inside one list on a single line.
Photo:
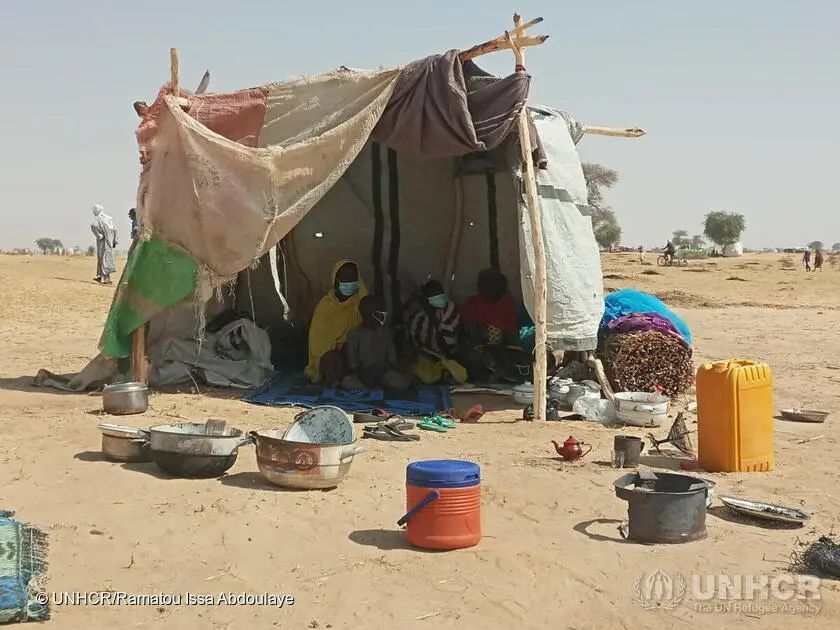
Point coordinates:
[(374, 415), (428, 424), (473, 414), (441, 421), (393, 423), (388, 434)]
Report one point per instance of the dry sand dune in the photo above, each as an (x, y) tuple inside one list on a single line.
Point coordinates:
[(551, 556)]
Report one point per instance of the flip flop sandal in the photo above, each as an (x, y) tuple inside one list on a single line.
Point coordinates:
[(473, 414), (440, 422), (388, 434), (399, 423), (428, 424), (394, 423), (443, 421), (374, 415)]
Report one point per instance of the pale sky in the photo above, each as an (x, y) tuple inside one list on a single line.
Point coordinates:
[(739, 98)]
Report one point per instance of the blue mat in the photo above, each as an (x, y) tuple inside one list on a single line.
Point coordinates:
[(23, 565), (294, 390)]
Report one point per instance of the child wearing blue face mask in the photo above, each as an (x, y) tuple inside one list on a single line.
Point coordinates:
[(433, 330)]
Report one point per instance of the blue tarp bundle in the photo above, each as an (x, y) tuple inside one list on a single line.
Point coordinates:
[(629, 301)]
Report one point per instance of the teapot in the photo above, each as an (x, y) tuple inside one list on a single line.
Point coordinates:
[(571, 449)]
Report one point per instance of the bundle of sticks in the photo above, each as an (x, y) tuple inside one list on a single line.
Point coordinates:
[(647, 361)]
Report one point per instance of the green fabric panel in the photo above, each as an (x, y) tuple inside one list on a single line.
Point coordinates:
[(156, 277)]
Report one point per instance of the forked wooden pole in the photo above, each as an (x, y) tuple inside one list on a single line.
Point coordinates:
[(632, 132), (535, 219), (503, 42)]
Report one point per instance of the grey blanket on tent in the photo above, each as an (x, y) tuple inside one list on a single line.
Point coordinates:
[(436, 111)]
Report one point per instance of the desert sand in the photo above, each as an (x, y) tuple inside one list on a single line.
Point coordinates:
[(551, 556)]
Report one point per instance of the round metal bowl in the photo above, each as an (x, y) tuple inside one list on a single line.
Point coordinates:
[(191, 449), (122, 399)]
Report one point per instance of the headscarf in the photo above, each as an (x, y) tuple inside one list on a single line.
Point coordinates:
[(103, 219), (331, 322)]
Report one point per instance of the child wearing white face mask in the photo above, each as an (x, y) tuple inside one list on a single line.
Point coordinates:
[(370, 353)]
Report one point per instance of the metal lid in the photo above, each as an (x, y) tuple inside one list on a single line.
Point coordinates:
[(125, 387), (120, 431)]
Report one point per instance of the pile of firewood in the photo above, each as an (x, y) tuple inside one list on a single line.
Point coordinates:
[(646, 361)]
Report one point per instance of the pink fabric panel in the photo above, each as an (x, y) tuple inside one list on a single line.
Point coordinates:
[(237, 116)]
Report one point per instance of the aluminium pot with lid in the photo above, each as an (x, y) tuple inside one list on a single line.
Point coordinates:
[(121, 399)]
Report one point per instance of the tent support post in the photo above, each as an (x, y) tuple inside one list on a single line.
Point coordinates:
[(139, 365), (540, 346), (457, 229)]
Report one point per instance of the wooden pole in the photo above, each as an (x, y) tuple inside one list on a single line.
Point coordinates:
[(503, 42), (139, 363), (457, 229), (175, 73), (535, 219), (633, 132)]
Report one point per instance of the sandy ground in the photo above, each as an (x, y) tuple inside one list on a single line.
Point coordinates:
[(551, 555)]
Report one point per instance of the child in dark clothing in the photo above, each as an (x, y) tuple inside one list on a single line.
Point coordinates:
[(370, 353)]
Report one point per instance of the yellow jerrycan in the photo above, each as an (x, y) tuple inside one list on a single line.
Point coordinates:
[(735, 416)]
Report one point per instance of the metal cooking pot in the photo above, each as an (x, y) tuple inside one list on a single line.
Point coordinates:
[(123, 399), (124, 444), (193, 449), (302, 464)]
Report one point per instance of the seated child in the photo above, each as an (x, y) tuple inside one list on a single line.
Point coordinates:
[(370, 353), (433, 328), (491, 349)]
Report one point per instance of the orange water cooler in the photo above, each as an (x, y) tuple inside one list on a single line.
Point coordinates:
[(735, 416)]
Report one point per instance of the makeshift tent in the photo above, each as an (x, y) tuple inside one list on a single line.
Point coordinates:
[(413, 172)]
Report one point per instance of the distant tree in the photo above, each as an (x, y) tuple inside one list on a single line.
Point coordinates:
[(597, 178), (91, 250), (604, 222), (48, 244), (724, 228), (836, 248), (817, 246), (606, 228), (698, 242), (680, 239)]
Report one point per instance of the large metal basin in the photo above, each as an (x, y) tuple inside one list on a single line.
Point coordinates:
[(301, 464)]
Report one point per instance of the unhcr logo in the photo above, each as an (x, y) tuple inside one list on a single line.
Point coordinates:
[(752, 593), (660, 589)]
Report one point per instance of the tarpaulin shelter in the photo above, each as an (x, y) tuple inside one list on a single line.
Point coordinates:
[(413, 172)]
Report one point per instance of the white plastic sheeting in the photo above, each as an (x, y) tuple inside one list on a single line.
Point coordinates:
[(575, 291)]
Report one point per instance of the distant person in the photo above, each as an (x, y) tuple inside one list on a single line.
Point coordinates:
[(641, 254), (105, 231), (818, 260), (670, 252), (806, 260), (135, 224)]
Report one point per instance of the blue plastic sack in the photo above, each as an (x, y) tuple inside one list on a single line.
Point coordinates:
[(628, 301)]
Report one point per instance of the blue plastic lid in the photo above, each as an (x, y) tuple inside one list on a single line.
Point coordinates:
[(443, 473)]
